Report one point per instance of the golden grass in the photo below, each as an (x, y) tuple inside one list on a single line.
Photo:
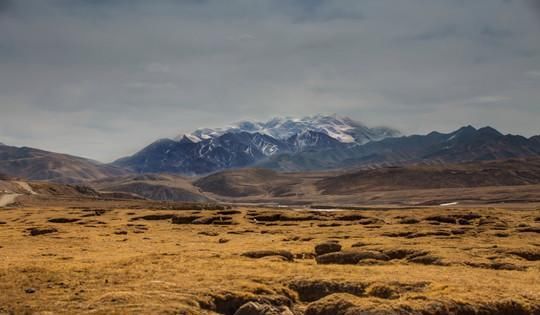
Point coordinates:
[(164, 268)]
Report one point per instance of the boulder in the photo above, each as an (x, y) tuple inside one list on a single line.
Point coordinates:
[(42, 231), (265, 253), (350, 257), (63, 220), (313, 290), (187, 219), (327, 247), (216, 219)]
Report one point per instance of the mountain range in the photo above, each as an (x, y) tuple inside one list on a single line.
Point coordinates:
[(280, 144), (317, 143), (342, 129), (251, 143)]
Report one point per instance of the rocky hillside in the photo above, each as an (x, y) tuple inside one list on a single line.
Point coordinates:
[(473, 174), (249, 143), (35, 164), (154, 187)]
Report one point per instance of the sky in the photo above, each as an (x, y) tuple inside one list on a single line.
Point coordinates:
[(101, 79)]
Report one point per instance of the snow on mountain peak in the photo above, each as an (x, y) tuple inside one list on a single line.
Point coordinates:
[(343, 129)]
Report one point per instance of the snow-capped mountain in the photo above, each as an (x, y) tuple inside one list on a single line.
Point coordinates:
[(320, 142), (249, 143), (343, 129)]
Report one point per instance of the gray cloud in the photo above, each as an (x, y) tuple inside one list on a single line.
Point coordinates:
[(103, 78)]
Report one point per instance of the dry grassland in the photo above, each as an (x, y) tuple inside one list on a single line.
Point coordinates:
[(113, 259)]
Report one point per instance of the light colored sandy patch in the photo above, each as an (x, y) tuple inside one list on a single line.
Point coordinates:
[(25, 186), (8, 199)]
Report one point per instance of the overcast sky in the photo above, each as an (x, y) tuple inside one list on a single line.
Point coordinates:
[(102, 78)]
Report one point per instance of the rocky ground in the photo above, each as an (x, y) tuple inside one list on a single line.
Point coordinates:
[(129, 259)]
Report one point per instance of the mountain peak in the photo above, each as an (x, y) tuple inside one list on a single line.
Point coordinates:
[(467, 128), (320, 142), (461, 132), (489, 130), (340, 128), (188, 139)]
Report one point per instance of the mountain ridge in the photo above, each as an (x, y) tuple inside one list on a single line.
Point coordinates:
[(307, 149), (37, 164), (248, 143), (304, 150), (343, 129)]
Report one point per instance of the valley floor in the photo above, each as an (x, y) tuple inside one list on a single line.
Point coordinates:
[(92, 258)]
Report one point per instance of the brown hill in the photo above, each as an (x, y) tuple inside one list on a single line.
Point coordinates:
[(12, 190), (267, 186), (154, 187), (35, 164), (249, 182), (475, 174)]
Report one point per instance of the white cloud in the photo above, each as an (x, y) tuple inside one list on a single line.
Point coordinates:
[(102, 78)]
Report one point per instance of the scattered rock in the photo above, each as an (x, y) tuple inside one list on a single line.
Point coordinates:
[(312, 290), (223, 240), (218, 219), (372, 262), (229, 212), (334, 224), (153, 217), (486, 221), (458, 231), (304, 256), (265, 253), (42, 231), (327, 247), (350, 257), (344, 304), (359, 244), (30, 290), (398, 234), (333, 305), (441, 219), (254, 308), (531, 229), (273, 217), (93, 212), (369, 221), (291, 239), (63, 220), (401, 253), (351, 217), (229, 303), (208, 233), (528, 254), (470, 216), (426, 260), (384, 292), (496, 266), (120, 232), (430, 233), (177, 219), (409, 220), (462, 221)]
